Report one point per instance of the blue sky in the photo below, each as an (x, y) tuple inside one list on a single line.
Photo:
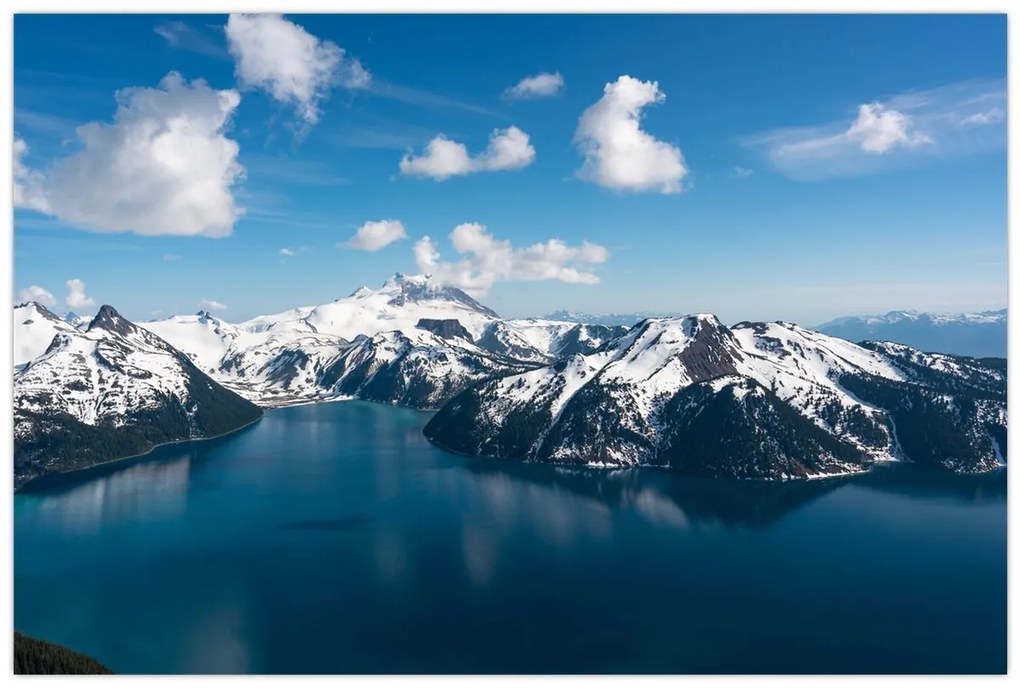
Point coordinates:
[(790, 201)]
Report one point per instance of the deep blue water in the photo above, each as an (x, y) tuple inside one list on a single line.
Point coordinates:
[(334, 539)]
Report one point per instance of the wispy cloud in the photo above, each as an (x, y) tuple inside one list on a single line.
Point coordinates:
[(211, 305), (427, 99), (740, 172), (540, 85), (183, 36), (53, 126), (293, 171), (893, 133)]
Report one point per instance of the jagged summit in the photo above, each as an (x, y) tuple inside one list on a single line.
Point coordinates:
[(109, 319)]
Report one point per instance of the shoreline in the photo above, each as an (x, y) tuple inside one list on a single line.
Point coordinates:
[(137, 456)]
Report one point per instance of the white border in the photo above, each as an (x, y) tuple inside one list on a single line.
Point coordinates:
[(395, 6)]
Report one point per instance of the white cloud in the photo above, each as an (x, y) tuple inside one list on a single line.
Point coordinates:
[(76, 297), (538, 86), (290, 64), (878, 129), (172, 257), (485, 260), (36, 293), (989, 117), (211, 305), (163, 167), (28, 183), (376, 234), (618, 154), (742, 172), (896, 133), (508, 149)]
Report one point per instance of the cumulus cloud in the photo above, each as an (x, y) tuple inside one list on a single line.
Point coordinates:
[(618, 154), (211, 305), (486, 260), (290, 64), (36, 293), (898, 132), (376, 234), (163, 167), (538, 86), (76, 297), (508, 149), (878, 129), (28, 183)]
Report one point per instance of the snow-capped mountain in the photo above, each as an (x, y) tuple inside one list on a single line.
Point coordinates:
[(979, 334), (424, 340), (760, 400), (109, 391), (79, 321), (34, 329)]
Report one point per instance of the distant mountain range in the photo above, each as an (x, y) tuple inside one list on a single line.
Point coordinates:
[(626, 319), (980, 334), (761, 400)]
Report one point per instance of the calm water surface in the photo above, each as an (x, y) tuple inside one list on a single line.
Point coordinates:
[(334, 539)]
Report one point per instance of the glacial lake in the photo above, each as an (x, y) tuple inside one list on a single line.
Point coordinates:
[(335, 539)]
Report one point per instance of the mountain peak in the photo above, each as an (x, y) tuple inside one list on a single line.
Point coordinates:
[(108, 319), (43, 311), (407, 289)]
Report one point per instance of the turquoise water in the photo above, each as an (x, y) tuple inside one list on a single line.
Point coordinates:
[(334, 539)]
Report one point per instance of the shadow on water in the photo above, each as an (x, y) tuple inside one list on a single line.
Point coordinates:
[(923, 482)]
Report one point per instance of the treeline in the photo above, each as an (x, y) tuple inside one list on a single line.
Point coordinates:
[(38, 657)]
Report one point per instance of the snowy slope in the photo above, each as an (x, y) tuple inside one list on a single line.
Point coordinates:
[(283, 358), (762, 400), (34, 329)]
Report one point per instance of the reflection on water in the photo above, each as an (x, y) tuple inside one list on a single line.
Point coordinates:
[(661, 497), (138, 493), (335, 539)]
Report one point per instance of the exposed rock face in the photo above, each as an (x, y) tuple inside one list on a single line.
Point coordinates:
[(447, 329)]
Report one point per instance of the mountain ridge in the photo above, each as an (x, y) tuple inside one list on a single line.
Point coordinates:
[(782, 401)]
